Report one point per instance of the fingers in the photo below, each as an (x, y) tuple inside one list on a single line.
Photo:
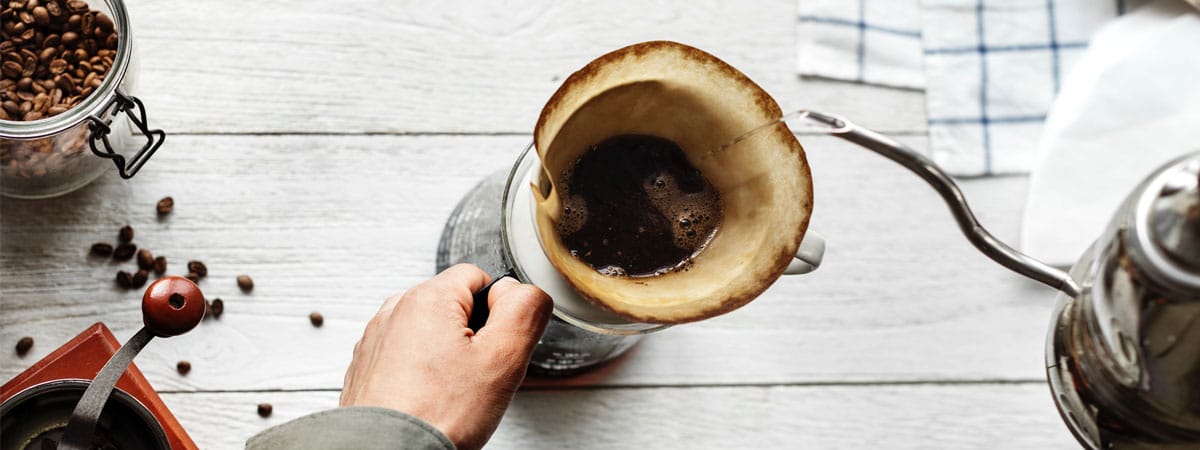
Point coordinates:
[(519, 313), (455, 284)]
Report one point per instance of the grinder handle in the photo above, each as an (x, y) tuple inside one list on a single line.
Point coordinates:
[(171, 306)]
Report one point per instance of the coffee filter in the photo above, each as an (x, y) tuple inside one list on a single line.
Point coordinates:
[(683, 94)]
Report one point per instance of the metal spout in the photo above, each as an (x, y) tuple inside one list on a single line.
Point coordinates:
[(942, 183)]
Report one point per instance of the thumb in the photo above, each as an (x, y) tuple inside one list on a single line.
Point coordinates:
[(519, 313)]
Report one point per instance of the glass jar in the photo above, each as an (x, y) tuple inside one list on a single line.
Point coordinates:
[(50, 156)]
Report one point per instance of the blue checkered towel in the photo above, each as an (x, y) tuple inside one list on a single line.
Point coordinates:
[(990, 68)]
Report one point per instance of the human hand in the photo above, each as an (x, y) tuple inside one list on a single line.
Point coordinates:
[(417, 355)]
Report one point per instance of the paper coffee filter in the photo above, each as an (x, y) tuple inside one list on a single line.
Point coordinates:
[(681, 93)]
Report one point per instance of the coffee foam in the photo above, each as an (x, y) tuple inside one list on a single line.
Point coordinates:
[(694, 215)]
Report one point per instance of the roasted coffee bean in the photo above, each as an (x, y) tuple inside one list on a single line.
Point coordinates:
[(216, 308), (12, 69), (145, 260), (317, 319), (124, 251), (245, 282), (41, 16), (124, 279), (102, 249), (197, 268), (125, 235), (160, 265), (139, 278), (183, 367), (192, 276), (26, 343), (165, 206), (264, 410)]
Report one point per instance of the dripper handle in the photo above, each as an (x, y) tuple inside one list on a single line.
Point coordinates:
[(942, 183)]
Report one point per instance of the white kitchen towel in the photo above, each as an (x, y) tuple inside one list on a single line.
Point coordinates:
[(991, 67), (869, 41)]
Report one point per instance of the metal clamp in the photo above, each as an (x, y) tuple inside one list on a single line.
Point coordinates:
[(136, 111)]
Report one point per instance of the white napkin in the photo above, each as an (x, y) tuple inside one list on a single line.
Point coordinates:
[(1131, 104), (991, 68)]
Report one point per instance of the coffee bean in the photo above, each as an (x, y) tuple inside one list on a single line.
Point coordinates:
[(102, 249), (264, 410), (124, 251), (26, 343), (124, 279), (41, 16), (145, 260), (197, 268), (139, 278), (12, 69), (192, 276), (125, 235), (160, 265), (317, 319), (183, 367), (213, 309), (165, 206), (245, 282)]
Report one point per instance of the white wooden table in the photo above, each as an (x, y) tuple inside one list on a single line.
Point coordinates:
[(319, 145)]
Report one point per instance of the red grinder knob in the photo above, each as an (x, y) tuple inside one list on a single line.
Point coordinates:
[(172, 306)]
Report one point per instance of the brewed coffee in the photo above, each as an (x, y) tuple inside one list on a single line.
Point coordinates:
[(634, 206)]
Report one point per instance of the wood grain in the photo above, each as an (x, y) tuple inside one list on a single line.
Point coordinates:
[(337, 223), (826, 417), (321, 66)]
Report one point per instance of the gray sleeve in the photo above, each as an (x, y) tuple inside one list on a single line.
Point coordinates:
[(359, 428)]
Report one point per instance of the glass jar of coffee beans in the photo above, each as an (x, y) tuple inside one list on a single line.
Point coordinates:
[(68, 71)]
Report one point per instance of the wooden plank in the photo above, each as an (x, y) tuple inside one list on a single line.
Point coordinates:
[(319, 66), (826, 417), (336, 224)]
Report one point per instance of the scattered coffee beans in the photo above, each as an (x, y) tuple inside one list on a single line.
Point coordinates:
[(139, 278), (125, 235), (55, 54), (102, 249), (124, 251), (244, 282), (197, 268), (193, 277), (160, 265), (183, 367), (145, 260), (317, 319), (165, 206), (264, 410), (23, 345)]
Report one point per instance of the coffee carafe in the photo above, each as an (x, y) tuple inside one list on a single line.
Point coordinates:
[(1123, 352)]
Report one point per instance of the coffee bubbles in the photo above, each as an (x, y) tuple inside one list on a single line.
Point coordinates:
[(634, 206)]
